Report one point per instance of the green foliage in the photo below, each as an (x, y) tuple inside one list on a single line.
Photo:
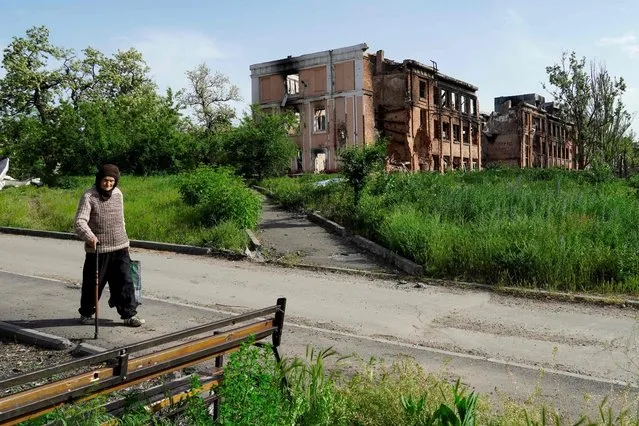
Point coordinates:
[(260, 146), (314, 394), (196, 411), (228, 235), (88, 413), (589, 98), (63, 113), (462, 413), (553, 229), (221, 196), (154, 211), (359, 162), (251, 392)]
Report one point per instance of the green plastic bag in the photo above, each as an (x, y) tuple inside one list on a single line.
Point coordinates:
[(136, 276)]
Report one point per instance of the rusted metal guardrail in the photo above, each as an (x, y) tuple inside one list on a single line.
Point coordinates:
[(125, 371)]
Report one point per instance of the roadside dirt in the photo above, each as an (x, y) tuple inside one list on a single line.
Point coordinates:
[(18, 358)]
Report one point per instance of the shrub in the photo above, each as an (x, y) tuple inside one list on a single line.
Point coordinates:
[(251, 392), (221, 196), (227, 235)]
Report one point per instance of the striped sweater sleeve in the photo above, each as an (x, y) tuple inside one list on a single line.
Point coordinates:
[(82, 216)]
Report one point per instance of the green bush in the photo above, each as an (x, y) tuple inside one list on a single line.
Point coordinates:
[(227, 235), (251, 391), (221, 196)]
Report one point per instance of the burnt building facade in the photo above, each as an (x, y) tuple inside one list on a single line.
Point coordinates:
[(330, 93), (347, 97), (431, 120), (526, 131)]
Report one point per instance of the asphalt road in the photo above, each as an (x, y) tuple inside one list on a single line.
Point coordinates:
[(497, 345)]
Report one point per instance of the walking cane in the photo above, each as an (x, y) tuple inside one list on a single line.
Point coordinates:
[(97, 290)]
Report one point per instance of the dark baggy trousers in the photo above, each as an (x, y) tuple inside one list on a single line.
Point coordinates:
[(114, 268)]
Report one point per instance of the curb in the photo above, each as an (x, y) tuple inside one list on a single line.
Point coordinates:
[(334, 269), (537, 294), (149, 245), (262, 190), (328, 224), (34, 337), (254, 242), (400, 262), (86, 349), (416, 270)]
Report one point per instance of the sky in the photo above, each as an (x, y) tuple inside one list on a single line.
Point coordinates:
[(502, 47)]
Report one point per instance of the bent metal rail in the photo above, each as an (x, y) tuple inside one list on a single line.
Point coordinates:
[(128, 371)]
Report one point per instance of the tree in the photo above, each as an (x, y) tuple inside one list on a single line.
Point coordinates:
[(260, 146), (98, 77), (359, 162), (32, 84), (590, 100), (61, 113), (208, 95)]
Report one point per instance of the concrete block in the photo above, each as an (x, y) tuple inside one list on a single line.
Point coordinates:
[(177, 248), (255, 244), (86, 349), (329, 225), (34, 337), (400, 262)]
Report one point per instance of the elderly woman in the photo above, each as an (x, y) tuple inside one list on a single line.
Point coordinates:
[(99, 222)]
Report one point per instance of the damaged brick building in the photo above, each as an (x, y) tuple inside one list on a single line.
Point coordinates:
[(432, 120), (345, 97), (526, 131)]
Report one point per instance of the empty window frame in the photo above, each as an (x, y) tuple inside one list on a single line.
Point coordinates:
[(464, 104), (422, 89), (422, 118), (296, 126), (444, 98), (293, 84), (466, 134), (319, 122), (456, 133), (446, 131), (454, 97), (473, 106), (438, 129), (474, 134)]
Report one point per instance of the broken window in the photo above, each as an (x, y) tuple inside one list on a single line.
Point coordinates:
[(443, 97), (438, 129), (446, 131), (295, 127), (456, 131), (422, 118), (473, 106), (320, 120), (422, 89), (474, 134), (464, 105), (293, 84), (466, 134)]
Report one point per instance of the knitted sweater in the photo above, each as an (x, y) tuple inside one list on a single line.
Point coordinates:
[(101, 219)]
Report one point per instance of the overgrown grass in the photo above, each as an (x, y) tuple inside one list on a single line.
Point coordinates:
[(153, 210), (322, 389), (549, 229)]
